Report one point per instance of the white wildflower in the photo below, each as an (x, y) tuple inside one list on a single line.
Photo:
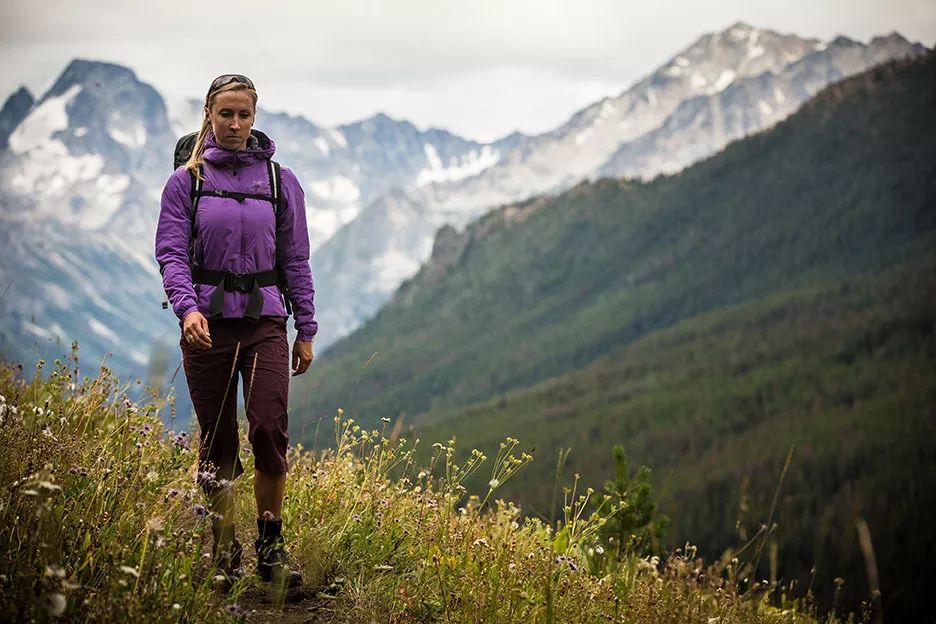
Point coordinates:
[(55, 604), (131, 571)]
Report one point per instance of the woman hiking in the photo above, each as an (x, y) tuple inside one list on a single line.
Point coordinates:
[(233, 250)]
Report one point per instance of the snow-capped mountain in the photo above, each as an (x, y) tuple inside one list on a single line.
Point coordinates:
[(81, 173), (79, 183), (703, 125), (347, 167), (716, 90)]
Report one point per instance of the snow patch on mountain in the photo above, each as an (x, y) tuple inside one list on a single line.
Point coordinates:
[(336, 188), (338, 137), (47, 118), (724, 79), (48, 169), (470, 164), (135, 138), (322, 144), (392, 267)]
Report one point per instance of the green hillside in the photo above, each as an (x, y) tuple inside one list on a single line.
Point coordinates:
[(845, 374), (534, 290), (780, 293)]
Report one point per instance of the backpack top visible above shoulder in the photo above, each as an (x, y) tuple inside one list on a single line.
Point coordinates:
[(183, 150)]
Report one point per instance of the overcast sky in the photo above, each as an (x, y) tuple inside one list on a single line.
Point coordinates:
[(480, 68)]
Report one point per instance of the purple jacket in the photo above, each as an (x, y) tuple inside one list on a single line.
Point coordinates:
[(240, 237)]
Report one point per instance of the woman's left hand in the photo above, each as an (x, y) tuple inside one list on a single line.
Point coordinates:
[(302, 356)]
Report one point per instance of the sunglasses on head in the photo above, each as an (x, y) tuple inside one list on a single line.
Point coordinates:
[(227, 79)]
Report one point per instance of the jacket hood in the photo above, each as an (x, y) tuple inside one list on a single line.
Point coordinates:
[(259, 147)]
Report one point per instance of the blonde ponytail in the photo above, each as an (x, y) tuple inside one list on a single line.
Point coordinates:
[(195, 161)]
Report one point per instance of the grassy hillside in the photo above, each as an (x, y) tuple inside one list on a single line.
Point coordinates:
[(846, 374), (102, 522), (538, 289)]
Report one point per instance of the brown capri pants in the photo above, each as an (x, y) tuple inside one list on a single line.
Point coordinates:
[(262, 359)]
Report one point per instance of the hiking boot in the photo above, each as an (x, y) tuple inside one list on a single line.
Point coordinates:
[(272, 561), (226, 552)]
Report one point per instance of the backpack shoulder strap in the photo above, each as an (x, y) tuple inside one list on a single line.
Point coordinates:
[(194, 195), (276, 185)]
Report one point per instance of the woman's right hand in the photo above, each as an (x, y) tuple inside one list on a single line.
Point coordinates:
[(195, 330)]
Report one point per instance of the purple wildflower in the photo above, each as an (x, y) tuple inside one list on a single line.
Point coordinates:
[(234, 610), (200, 511), (205, 477), (181, 440)]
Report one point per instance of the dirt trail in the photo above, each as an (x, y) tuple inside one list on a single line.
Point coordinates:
[(301, 607)]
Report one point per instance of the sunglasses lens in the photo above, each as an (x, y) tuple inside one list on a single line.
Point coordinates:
[(226, 79)]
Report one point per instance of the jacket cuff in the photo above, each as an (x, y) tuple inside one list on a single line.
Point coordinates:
[(187, 311), (305, 336)]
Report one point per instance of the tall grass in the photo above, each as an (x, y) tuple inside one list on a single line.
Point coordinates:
[(102, 521)]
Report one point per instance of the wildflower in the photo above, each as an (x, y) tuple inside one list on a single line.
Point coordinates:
[(49, 486), (200, 511), (131, 571), (268, 515), (479, 542), (55, 571), (176, 606), (599, 549), (385, 419), (205, 477), (234, 610), (493, 483), (172, 493), (181, 440), (55, 604)]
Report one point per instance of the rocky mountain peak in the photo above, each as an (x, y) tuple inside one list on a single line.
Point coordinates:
[(13, 112)]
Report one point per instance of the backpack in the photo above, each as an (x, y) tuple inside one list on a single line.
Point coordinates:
[(225, 281)]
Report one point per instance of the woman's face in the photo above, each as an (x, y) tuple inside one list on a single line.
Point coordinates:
[(232, 116)]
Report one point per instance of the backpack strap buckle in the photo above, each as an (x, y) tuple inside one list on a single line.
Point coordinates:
[(240, 282)]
